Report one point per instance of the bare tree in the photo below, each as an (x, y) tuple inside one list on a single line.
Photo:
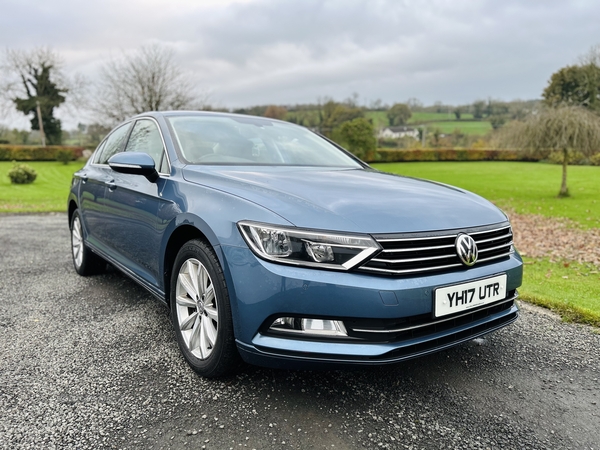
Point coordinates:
[(147, 80), (275, 112), (591, 57), (562, 131)]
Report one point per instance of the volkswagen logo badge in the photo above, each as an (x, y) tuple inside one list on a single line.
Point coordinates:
[(466, 249)]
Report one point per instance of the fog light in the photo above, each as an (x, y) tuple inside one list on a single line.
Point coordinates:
[(319, 327), (329, 327)]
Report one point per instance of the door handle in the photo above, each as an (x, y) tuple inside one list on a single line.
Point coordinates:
[(111, 185), (84, 179)]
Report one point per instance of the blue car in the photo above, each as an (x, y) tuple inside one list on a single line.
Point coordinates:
[(273, 245)]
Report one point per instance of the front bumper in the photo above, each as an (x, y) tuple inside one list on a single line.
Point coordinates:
[(400, 308)]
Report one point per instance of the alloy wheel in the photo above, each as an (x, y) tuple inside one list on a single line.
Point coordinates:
[(196, 305)]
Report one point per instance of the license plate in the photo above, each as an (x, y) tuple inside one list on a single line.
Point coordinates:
[(461, 297)]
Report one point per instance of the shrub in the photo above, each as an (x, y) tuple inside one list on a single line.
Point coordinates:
[(595, 160), (449, 154), (22, 174), (64, 155), (35, 152)]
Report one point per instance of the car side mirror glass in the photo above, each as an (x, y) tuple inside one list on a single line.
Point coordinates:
[(135, 163)]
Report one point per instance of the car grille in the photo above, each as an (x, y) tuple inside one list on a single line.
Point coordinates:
[(415, 253)]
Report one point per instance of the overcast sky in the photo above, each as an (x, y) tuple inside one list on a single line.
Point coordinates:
[(250, 52)]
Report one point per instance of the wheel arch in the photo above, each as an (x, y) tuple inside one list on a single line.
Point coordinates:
[(71, 210), (177, 239)]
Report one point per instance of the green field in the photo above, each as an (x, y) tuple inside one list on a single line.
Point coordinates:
[(379, 118), (420, 117), (442, 121), (47, 193), (571, 289), (528, 188), (474, 127)]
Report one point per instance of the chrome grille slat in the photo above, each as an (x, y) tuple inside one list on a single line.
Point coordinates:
[(417, 238), (425, 269), (403, 254), (489, 231), (482, 250), (417, 249), (484, 241), (428, 258)]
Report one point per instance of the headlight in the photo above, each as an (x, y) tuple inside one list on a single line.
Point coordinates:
[(310, 248)]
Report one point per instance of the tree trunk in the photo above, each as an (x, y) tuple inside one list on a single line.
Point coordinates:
[(564, 191)]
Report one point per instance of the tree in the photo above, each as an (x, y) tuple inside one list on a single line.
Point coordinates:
[(275, 112), (34, 78), (497, 120), (333, 115), (563, 130), (457, 112), (359, 135), (147, 80), (478, 108), (575, 85), (398, 114)]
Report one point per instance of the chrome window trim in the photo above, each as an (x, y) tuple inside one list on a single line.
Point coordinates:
[(94, 163), (162, 138)]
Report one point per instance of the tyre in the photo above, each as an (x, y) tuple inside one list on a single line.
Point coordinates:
[(84, 260), (201, 312)]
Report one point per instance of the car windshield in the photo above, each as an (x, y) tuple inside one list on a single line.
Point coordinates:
[(214, 139)]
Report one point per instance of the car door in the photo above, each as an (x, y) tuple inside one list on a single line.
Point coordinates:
[(132, 204), (94, 181)]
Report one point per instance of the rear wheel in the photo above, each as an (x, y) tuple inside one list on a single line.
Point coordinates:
[(84, 260), (201, 312)]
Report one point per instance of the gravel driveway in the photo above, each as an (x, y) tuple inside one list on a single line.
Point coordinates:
[(93, 363)]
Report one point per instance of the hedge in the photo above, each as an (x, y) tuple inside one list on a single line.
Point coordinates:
[(448, 154), (36, 152)]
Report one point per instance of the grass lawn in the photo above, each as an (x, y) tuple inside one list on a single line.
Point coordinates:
[(527, 188), (570, 289), (48, 193)]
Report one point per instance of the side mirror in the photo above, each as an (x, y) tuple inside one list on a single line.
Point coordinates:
[(135, 163)]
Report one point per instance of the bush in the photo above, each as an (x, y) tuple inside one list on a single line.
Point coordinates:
[(36, 153), (64, 155), (575, 158), (22, 174), (595, 160), (449, 154)]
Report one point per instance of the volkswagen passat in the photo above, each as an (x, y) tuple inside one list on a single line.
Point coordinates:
[(273, 245)]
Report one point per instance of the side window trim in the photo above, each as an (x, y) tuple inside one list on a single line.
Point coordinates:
[(98, 151), (164, 145), (103, 143)]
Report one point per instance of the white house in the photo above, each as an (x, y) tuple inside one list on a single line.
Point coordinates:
[(398, 132)]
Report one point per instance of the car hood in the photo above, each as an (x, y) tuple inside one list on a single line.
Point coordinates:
[(355, 200)]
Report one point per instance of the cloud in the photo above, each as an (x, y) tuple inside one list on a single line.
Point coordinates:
[(269, 51)]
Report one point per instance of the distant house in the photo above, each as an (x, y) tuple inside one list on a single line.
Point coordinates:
[(398, 132)]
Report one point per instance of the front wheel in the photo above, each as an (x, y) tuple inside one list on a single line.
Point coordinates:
[(201, 312)]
